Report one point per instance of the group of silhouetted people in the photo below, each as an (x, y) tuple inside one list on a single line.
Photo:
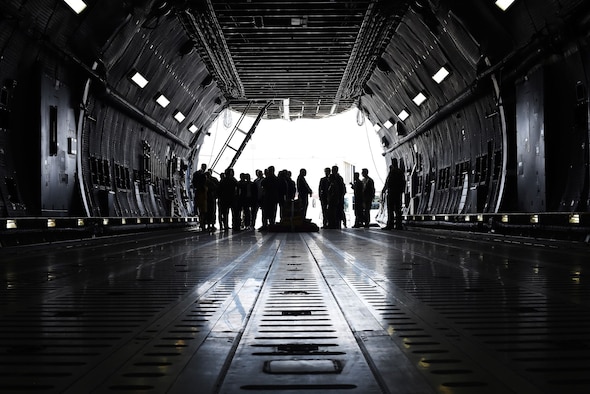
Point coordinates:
[(363, 194), (271, 193), (332, 191), (244, 198)]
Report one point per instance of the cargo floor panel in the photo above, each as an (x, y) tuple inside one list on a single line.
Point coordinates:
[(353, 310)]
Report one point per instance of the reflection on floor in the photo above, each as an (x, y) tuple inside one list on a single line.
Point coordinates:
[(354, 310)]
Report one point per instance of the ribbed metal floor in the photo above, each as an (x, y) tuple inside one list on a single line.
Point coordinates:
[(363, 311)]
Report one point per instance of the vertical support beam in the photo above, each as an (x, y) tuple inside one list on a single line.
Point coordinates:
[(530, 143)]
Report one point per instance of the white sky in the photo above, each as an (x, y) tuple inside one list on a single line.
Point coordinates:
[(312, 144)]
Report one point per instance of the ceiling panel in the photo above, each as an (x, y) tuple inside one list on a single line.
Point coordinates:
[(317, 53)]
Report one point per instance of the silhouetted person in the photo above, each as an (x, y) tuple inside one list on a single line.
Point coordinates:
[(247, 195), (323, 193), (212, 186), (291, 191), (291, 186), (357, 204), (395, 185), (227, 197), (221, 178), (368, 196), (236, 212), (199, 183), (241, 202), (336, 192), (283, 187), (304, 191), (259, 196), (271, 193)]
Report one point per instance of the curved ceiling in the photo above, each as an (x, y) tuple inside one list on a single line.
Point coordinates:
[(311, 57), (289, 58)]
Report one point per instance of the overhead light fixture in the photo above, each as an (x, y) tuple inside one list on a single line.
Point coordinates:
[(179, 116), (387, 124), (419, 99), (192, 128), (77, 5), (403, 115), (162, 100), (574, 218), (139, 79), (504, 4), (441, 75), (376, 127)]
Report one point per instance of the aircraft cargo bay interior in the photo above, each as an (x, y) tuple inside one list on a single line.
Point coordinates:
[(375, 196)]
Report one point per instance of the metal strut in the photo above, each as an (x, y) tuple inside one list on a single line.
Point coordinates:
[(249, 134), (231, 134), (247, 137)]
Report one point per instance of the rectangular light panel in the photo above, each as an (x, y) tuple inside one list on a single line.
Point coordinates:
[(192, 128), (387, 124), (77, 5), (179, 116), (441, 75), (504, 4), (139, 80), (403, 115), (574, 218), (162, 100), (419, 99)]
